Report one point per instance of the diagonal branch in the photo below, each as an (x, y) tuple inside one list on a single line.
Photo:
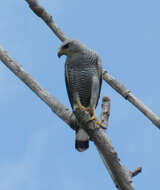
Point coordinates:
[(121, 175), (110, 164), (122, 90), (47, 18), (58, 108)]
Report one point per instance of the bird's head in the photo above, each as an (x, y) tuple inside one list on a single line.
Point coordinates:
[(70, 47)]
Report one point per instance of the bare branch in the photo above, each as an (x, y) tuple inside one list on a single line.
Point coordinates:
[(105, 113), (111, 162), (123, 91), (41, 12), (119, 173), (56, 106), (136, 171)]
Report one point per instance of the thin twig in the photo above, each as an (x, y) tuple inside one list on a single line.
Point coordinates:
[(105, 113), (136, 171)]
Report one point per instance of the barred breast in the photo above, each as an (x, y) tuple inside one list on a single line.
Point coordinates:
[(80, 73)]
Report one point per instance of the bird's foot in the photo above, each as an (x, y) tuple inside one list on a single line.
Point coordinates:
[(96, 122), (81, 106)]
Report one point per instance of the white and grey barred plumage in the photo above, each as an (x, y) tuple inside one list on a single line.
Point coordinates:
[(83, 77)]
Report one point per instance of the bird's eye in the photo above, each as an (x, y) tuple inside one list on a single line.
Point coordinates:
[(66, 46)]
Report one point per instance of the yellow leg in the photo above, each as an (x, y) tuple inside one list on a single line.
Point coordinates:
[(81, 106), (94, 118)]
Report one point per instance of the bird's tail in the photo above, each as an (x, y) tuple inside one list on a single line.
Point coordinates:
[(82, 140)]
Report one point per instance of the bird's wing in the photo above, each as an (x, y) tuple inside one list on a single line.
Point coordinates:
[(67, 85), (99, 68)]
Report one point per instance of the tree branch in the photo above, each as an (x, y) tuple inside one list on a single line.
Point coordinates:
[(121, 175), (136, 171), (58, 108), (122, 90), (105, 113), (111, 163), (41, 12)]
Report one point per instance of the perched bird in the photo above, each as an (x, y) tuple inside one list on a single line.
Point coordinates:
[(83, 77)]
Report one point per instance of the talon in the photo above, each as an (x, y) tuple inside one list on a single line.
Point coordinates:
[(95, 125), (94, 118), (81, 106), (96, 122)]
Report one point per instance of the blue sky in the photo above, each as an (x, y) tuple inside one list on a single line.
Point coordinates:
[(37, 148)]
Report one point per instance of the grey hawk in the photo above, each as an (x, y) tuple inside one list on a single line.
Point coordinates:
[(83, 77)]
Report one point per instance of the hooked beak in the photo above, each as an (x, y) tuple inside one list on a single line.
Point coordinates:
[(60, 52)]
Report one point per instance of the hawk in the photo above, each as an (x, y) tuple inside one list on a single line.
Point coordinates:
[(83, 77)]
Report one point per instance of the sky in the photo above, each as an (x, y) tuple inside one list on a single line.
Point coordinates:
[(36, 147)]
